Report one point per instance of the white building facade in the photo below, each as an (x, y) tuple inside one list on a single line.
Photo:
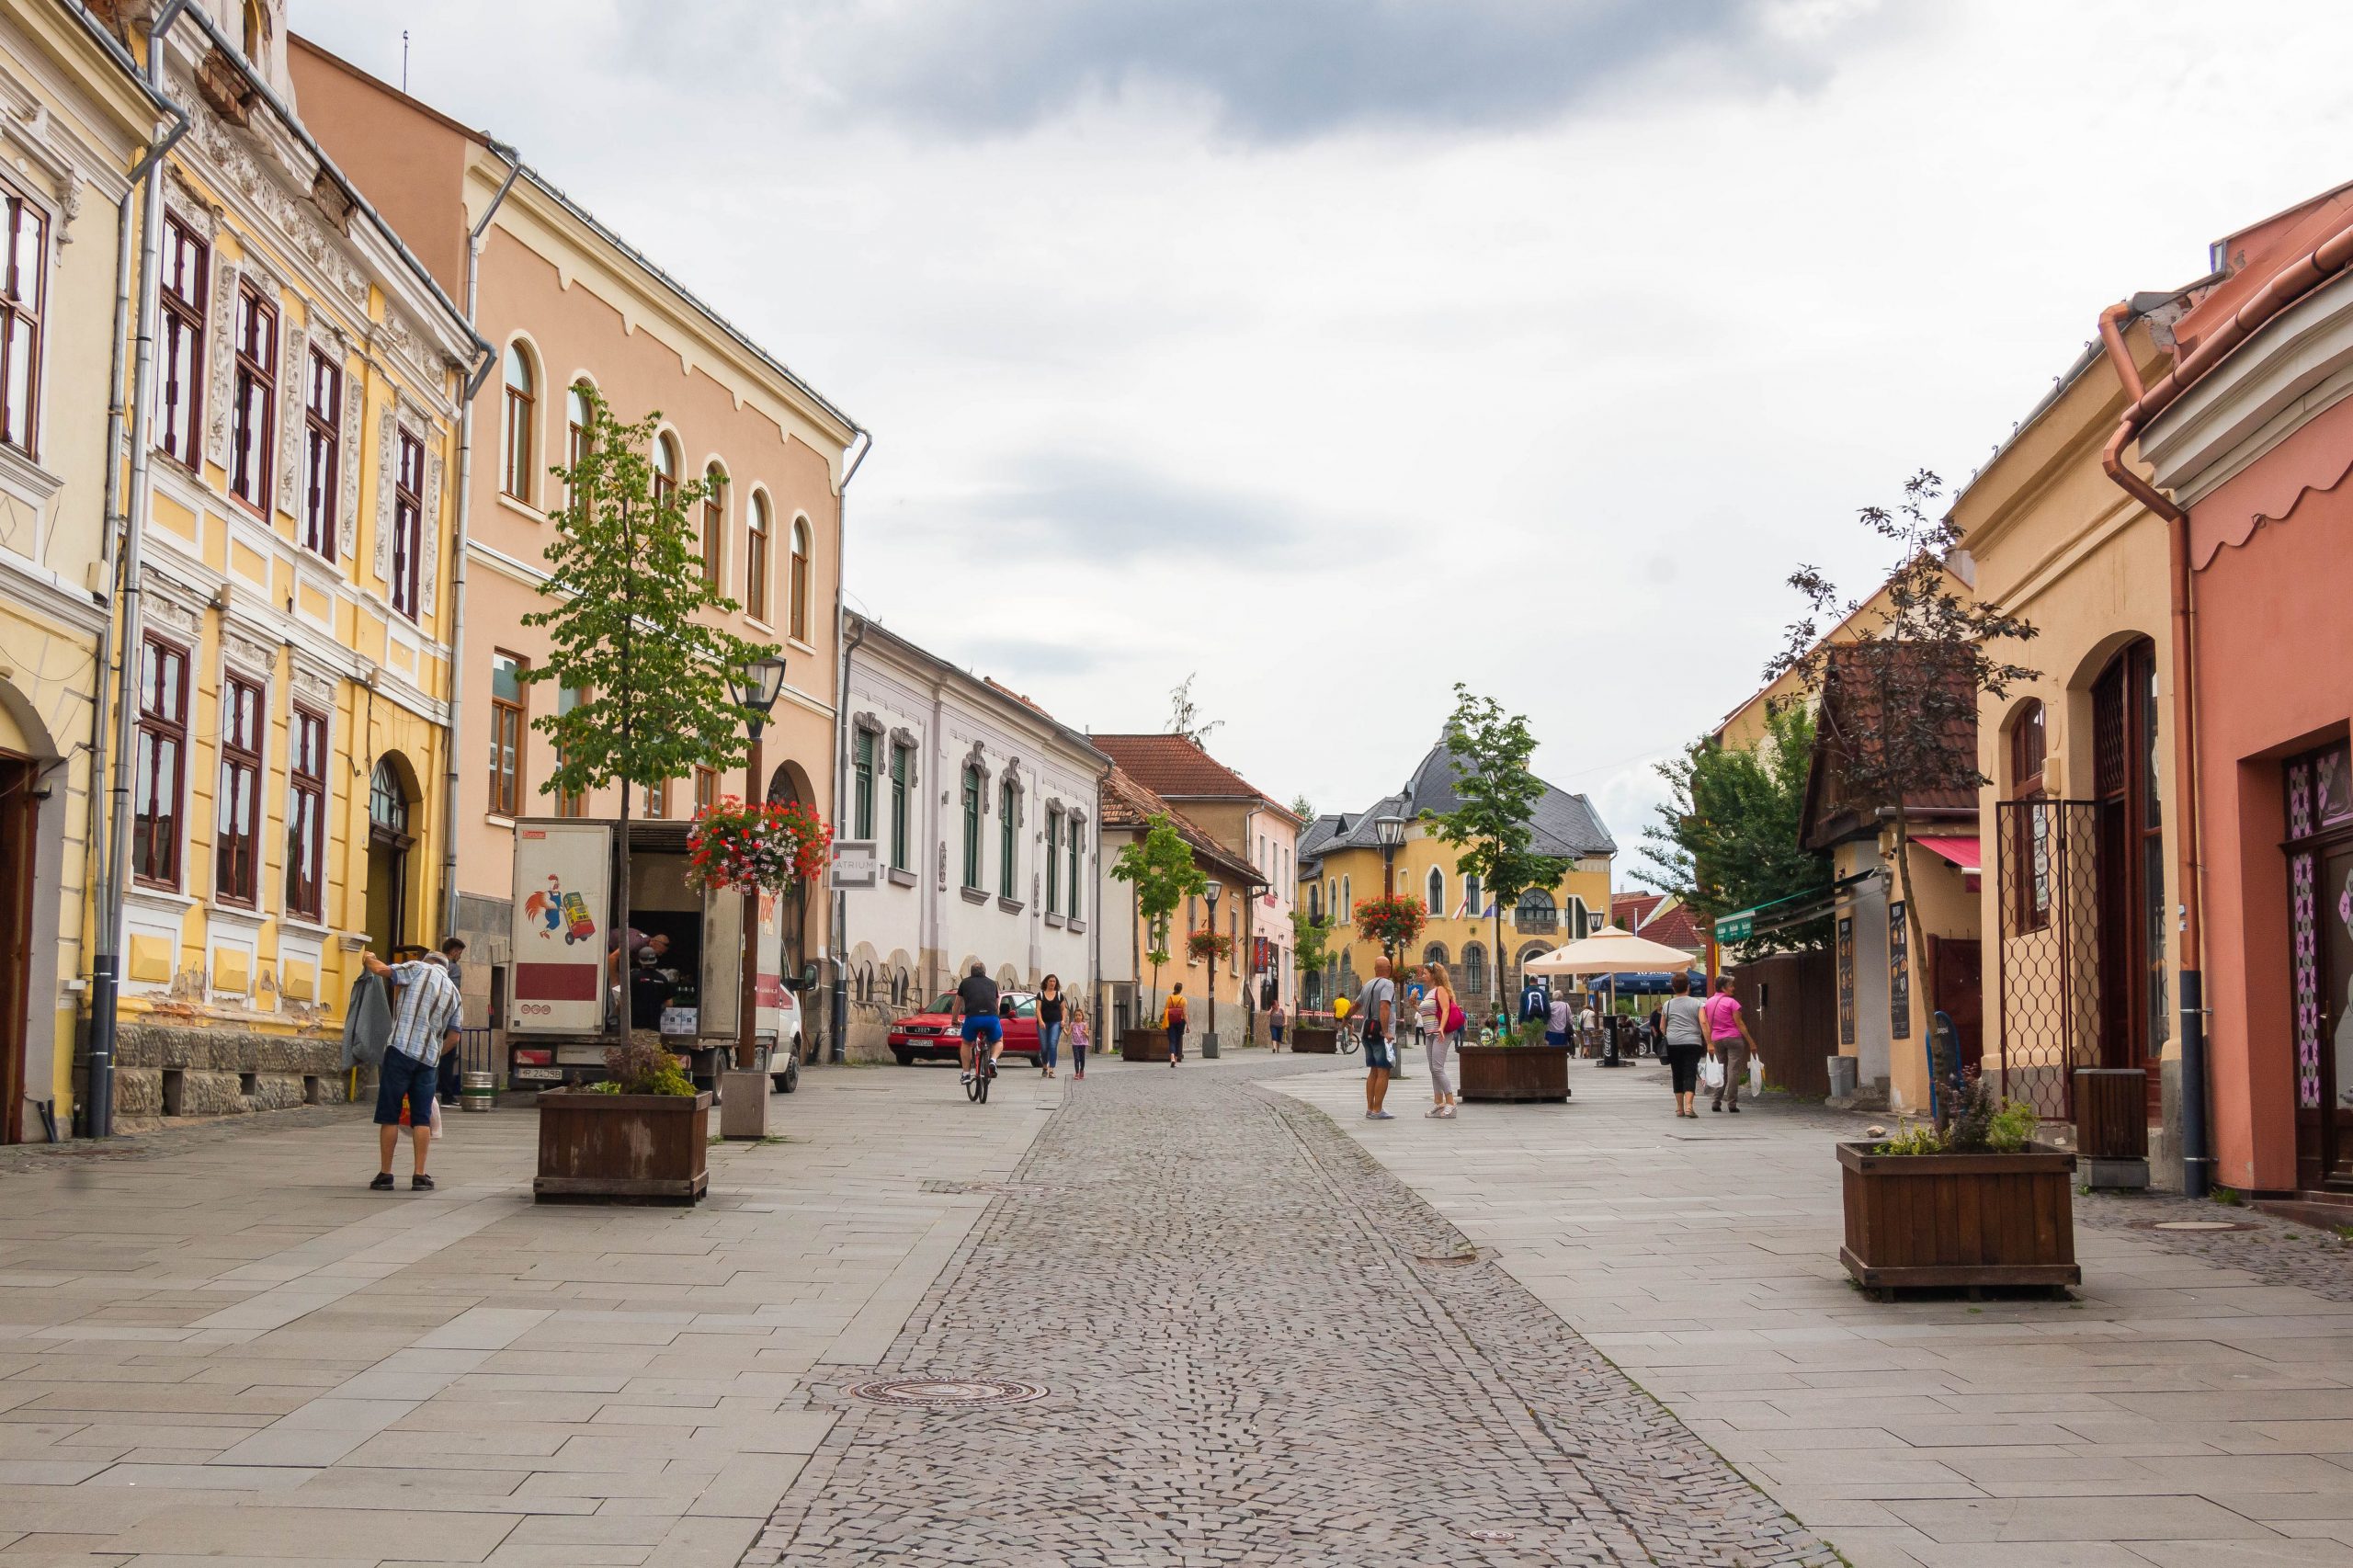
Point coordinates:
[(977, 812)]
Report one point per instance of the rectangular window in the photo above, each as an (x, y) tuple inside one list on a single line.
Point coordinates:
[(408, 525), (862, 787), (236, 871), (253, 412), (1053, 861), (322, 454), (1234, 941), (705, 787), (657, 800), (22, 290), (756, 565), (306, 814), (160, 764), (901, 773), (714, 530), (1008, 802), (180, 389), (1076, 911), (509, 723), (971, 827)]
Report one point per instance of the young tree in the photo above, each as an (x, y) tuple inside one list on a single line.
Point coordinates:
[(629, 616), (1185, 717), (1302, 807), (1311, 947), (1727, 838), (1159, 866), (1493, 826), (1928, 658)]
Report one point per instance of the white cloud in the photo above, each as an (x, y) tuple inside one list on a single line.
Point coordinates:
[(1540, 378)]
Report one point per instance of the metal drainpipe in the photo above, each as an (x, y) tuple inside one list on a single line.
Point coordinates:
[(107, 962), (451, 749), (96, 870), (838, 1045)]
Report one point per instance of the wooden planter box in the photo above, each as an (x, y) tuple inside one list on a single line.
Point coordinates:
[(1514, 1072), (1143, 1045), (1314, 1040), (622, 1148), (1959, 1220)]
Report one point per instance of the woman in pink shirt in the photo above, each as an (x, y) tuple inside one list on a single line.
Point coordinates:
[(1728, 1040)]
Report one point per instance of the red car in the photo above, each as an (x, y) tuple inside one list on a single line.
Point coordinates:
[(935, 1035)]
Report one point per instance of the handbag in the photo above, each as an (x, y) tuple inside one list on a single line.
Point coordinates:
[(1454, 1018), (1711, 1072)]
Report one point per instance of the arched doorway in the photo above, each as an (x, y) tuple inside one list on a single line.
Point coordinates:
[(391, 799), (2134, 1024), (789, 783)]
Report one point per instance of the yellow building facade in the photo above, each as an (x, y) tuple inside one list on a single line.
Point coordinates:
[(290, 681), (77, 122), (1341, 864)]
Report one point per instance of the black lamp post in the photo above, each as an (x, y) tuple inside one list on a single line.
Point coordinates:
[(1390, 834), (755, 688), (1208, 1041)]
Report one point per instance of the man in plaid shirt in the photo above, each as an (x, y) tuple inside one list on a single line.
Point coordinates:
[(426, 1011)]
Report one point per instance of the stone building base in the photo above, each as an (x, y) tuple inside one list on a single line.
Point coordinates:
[(164, 1071)]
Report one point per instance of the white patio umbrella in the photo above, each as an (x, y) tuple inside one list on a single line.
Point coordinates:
[(1612, 950)]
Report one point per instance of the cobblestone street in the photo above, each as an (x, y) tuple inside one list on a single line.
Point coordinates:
[(1258, 1348)]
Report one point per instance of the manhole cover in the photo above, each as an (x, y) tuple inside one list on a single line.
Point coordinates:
[(947, 1394), (2201, 1225), (1496, 1536)]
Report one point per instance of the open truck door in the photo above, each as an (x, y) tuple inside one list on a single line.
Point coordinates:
[(557, 980)]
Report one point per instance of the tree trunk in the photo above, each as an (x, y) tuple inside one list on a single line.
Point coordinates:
[(621, 891), (1918, 944)]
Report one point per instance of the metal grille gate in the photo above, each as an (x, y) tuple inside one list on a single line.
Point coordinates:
[(2047, 963)]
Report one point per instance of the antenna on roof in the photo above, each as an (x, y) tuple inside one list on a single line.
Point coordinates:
[(404, 59)]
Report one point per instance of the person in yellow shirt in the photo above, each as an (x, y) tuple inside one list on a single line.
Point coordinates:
[(1174, 1016)]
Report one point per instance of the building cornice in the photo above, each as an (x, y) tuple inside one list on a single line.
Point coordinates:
[(2299, 365)]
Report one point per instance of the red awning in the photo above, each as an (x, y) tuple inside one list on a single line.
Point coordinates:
[(1961, 852)]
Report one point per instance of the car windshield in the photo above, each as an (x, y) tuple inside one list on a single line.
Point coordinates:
[(1025, 1006), (946, 1004)]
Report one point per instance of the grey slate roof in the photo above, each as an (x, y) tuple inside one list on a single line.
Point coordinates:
[(1565, 824)]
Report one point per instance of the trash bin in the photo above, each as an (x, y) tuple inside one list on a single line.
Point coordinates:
[(1844, 1077), (476, 1091)]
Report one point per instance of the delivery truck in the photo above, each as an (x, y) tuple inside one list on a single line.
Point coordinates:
[(568, 979)]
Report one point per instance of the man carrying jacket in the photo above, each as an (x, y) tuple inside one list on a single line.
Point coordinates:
[(426, 1010)]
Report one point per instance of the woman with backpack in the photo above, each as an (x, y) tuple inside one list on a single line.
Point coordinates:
[(1442, 1041)]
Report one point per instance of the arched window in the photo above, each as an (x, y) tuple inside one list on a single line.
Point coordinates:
[(1471, 899), (973, 828), (2029, 742), (665, 467), (1474, 970), (1347, 902), (1535, 912), (522, 389), (1434, 893), (256, 33), (799, 587), (1315, 902), (714, 525), (756, 558), (1433, 953), (387, 806), (578, 418)]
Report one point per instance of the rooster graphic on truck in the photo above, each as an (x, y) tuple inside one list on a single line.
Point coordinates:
[(556, 910)]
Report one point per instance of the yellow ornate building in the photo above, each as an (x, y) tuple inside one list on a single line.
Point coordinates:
[(290, 677), (1340, 864), (77, 121)]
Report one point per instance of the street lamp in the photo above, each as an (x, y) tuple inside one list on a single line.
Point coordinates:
[(1390, 834), (1208, 1041), (755, 688)]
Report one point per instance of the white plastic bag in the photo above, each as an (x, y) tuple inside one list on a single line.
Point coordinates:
[(1711, 1072), (1756, 1075)]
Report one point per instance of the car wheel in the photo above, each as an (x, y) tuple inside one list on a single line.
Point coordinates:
[(789, 1079), (907, 1058)]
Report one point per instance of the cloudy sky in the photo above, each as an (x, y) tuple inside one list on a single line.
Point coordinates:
[(1340, 350)]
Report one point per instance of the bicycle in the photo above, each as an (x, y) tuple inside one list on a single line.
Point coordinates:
[(1347, 1039), (976, 1087)]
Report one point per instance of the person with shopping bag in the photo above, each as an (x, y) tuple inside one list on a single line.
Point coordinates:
[(426, 1012), (1729, 1045)]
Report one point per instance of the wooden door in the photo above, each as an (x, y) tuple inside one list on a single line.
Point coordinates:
[(1957, 989), (2133, 1008), (2336, 1119), (17, 807)]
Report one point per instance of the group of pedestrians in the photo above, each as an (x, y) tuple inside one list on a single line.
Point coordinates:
[(984, 1009), (1437, 1018)]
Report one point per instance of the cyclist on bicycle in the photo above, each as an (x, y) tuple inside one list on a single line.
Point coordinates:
[(976, 999)]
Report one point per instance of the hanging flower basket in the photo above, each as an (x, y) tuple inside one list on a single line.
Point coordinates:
[(1208, 945), (765, 847), (1393, 922)]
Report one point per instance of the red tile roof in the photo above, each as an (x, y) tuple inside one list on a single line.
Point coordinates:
[(1675, 928), (1174, 765), (1127, 803), (1629, 910)]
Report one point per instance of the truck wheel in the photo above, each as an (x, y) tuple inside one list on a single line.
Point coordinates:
[(907, 1058), (789, 1079)]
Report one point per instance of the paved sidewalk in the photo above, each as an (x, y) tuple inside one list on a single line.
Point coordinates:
[(2192, 1408), (225, 1347), (1249, 1345)]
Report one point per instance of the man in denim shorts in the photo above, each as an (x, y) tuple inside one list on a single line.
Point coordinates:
[(426, 1010), (1377, 1006)]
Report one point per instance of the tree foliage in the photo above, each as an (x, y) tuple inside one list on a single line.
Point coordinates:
[(629, 623), (1494, 823), (1727, 836), (1311, 947), (1185, 717), (1932, 654), (1160, 866)]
